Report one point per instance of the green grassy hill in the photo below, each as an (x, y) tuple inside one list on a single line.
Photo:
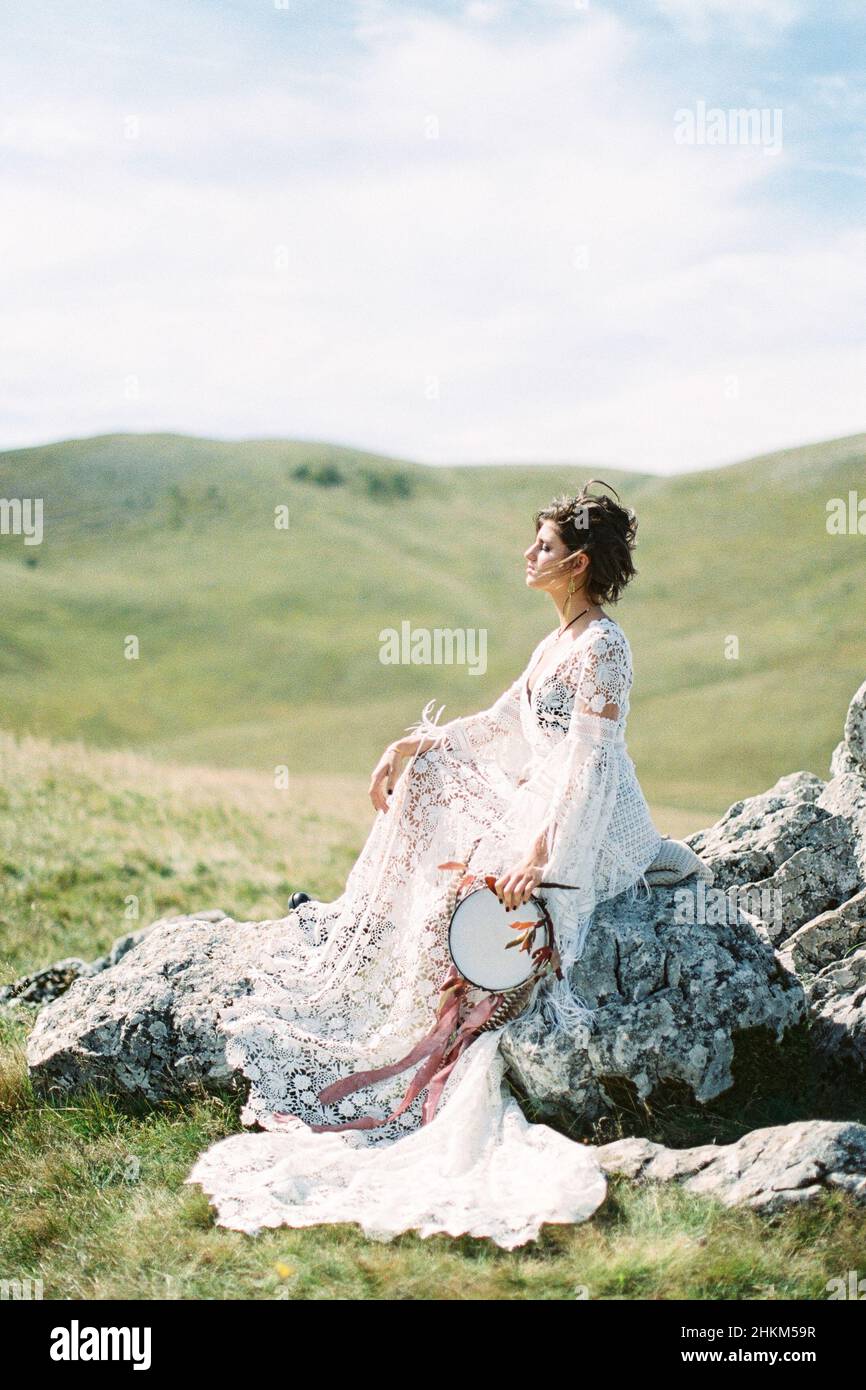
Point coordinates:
[(260, 646)]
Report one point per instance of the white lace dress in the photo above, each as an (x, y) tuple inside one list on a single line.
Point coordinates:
[(353, 985)]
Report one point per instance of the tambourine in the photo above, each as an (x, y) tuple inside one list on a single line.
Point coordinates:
[(500, 952), (494, 949)]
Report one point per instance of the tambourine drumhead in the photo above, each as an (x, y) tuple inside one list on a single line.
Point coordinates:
[(479, 933)]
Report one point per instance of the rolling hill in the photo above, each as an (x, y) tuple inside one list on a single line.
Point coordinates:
[(260, 646)]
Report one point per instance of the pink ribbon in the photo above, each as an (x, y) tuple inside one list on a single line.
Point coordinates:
[(439, 1052)]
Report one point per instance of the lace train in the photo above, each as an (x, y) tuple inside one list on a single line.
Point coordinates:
[(478, 1168)]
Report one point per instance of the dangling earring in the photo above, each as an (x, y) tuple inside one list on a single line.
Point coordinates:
[(571, 590)]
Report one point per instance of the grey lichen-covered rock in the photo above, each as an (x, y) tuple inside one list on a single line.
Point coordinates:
[(816, 878), (146, 1027), (837, 1003), (788, 851), (44, 985), (845, 794), (842, 761), (756, 836), (767, 1170), (52, 981), (796, 857), (855, 729), (673, 995), (827, 938)]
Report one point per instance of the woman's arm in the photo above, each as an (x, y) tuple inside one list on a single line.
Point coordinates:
[(570, 795), (495, 733)]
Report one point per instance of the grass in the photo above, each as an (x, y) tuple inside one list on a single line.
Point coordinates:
[(92, 1197), (89, 1232), (259, 646)]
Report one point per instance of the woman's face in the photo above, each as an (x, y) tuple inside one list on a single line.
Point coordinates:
[(544, 558)]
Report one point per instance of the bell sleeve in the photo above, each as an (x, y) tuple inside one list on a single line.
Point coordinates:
[(569, 799), (494, 734)]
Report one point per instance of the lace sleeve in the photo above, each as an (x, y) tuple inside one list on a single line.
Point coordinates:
[(495, 733), (577, 779), (573, 790)]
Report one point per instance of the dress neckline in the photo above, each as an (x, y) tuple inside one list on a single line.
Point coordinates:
[(552, 672)]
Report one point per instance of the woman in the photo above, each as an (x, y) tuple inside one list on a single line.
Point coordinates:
[(346, 996)]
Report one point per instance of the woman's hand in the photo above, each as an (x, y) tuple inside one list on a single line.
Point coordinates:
[(387, 769), (516, 886), (384, 775)]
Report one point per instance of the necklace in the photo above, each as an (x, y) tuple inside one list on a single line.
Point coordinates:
[(568, 625), (538, 663)]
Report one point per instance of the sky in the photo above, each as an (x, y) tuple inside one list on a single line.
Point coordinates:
[(462, 231)]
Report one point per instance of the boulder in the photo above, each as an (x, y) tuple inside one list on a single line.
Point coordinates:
[(827, 938), (845, 793), (837, 1005), (47, 984), (674, 995), (147, 1026), (845, 796), (768, 1169), (855, 730), (790, 853), (755, 836)]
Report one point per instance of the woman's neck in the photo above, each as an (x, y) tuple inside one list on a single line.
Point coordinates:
[(575, 606)]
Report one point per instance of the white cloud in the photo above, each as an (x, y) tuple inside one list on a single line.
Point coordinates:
[(575, 283)]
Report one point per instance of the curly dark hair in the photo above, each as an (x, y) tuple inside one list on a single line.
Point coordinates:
[(605, 530)]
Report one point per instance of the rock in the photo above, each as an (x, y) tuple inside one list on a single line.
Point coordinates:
[(684, 981), (845, 796), (855, 729), (49, 983), (146, 1027), (796, 857), (781, 1166), (827, 938), (754, 837), (842, 762), (43, 985), (674, 996), (792, 853), (837, 1002), (845, 793), (788, 840), (816, 878)]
